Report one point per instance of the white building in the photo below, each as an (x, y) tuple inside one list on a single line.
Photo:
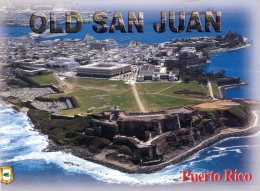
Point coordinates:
[(22, 72), (103, 70), (190, 50), (63, 62)]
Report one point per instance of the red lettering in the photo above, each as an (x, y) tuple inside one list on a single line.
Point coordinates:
[(229, 175), (185, 175), (248, 177)]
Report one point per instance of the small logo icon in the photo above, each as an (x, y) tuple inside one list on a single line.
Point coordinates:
[(6, 174)]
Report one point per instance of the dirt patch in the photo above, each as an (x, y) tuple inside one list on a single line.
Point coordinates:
[(191, 93), (107, 88), (216, 105), (99, 96)]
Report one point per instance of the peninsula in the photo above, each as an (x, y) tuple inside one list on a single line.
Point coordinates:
[(135, 108)]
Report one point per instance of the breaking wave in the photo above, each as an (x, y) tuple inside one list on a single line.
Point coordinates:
[(20, 142)]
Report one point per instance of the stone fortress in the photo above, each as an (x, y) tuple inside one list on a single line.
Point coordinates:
[(149, 135), (150, 139)]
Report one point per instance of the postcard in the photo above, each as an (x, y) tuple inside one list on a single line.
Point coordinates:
[(129, 95)]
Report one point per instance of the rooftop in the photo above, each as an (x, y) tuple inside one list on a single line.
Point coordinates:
[(104, 66), (150, 117)]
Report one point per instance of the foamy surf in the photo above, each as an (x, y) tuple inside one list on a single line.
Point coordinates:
[(17, 133), (20, 143)]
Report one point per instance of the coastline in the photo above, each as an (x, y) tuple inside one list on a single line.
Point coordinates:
[(187, 152), (184, 154), (211, 141), (222, 89), (222, 50), (155, 168), (252, 129), (241, 47)]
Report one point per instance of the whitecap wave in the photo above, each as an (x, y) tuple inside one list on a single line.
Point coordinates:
[(74, 164), (18, 134)]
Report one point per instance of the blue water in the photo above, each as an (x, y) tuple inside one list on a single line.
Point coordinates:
[(21, 147), (149, 36), (236, 64)]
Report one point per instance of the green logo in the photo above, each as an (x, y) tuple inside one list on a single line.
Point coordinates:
[(6, 174)]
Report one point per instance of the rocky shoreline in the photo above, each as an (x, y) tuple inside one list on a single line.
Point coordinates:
[(179, 155), (221, 50), (183, 154), (155, 168), (205, 144)]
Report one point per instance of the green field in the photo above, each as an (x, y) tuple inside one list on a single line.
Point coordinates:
[(44, 79), (96, 95), (158, 96)]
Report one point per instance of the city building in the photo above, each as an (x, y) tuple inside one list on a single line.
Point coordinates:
[(103, 70), (23, 72), (94, 44), (155, 73), (63, 62)]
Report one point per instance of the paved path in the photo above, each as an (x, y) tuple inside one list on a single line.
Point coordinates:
[(211, 91), (220, 92), (160, 91), (137, 98), (58, 79)]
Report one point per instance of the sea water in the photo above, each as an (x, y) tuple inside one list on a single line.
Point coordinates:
[(22, 147)]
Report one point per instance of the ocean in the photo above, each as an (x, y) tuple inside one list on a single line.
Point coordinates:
[(235, 64), (21, 146)]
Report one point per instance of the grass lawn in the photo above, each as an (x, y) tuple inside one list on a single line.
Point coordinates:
[(152, 87), (193, 87), (158, 96), (44, 79), (99, 95)]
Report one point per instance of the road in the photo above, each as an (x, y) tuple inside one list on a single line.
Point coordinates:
[(137, 98), (211, 91)]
